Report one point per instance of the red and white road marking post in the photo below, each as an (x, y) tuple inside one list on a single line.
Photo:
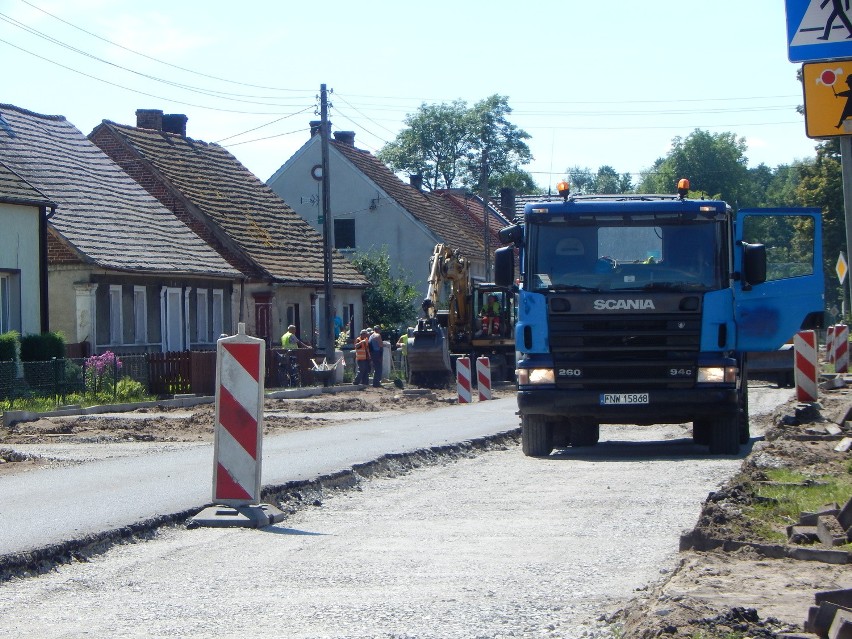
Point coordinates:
[(483, 378), (829, 344), (840, 348), (240, 369), (807, 365), (463, 380)]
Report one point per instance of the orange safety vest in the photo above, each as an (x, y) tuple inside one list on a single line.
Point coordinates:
[(361, 349)]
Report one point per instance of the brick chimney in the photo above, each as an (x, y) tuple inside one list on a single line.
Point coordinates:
[(345, 137), (507, 202), (149, 119), (416, 181), (316, 125), (175, 123)]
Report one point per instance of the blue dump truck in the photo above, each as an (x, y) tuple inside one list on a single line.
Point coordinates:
[(640, 309)]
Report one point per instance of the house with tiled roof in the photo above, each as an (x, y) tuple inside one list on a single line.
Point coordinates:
[(280, 256), (372, 209), (124, 274), (24, 211)]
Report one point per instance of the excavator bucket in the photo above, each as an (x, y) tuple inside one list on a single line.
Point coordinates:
[(428, 355)]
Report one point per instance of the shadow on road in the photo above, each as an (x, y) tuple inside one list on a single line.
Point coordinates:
[(278, 530), (661, 450)]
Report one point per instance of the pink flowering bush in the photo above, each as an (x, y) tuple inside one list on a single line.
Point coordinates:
[(101, 370)]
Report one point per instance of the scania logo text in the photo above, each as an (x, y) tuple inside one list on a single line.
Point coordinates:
[(624, 305)]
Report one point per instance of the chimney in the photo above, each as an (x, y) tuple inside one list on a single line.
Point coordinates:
[(345, 137), (416, 181), (316, 125), (175, 123), (149, 119), (507, 202)]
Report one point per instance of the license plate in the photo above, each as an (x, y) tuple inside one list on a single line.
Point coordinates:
[(608, 399)]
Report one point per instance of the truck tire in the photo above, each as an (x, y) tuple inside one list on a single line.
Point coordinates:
[(536, 437), (725, 435), (701, 431), (585, 432), (742, 414)]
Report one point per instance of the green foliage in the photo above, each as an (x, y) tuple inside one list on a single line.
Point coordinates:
[(43, 347), (605, 180), (715, 165), (447, 143), (8, 346), (390, 300)]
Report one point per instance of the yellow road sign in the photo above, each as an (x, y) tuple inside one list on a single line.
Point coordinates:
[(828, 98), (841, 267)]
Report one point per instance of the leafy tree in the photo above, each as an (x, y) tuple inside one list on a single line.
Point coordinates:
[(715, 164), (606, 180), (821, 185), (447, 143), (435, 144), (389, 302)]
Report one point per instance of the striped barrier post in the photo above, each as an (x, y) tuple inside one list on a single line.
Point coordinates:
[(805, 349), (463, 380), (483, 378), (829, 344), (238, 429), (240, 367), (841, 348)]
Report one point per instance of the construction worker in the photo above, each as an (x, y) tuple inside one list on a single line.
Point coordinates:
[(490, 314), (362, 357), (402, 345), (289, 341), (376, 354)]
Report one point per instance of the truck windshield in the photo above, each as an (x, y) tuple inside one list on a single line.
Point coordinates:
[(623, 253)]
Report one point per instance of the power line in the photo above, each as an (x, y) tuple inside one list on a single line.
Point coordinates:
[(169, 64)]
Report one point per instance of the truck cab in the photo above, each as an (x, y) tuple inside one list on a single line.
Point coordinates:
[(641, 309)]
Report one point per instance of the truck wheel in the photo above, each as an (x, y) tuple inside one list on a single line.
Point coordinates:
[(725, 435), (701, 431), (560, 433), (536, 437), (585, 432), (742, 415)]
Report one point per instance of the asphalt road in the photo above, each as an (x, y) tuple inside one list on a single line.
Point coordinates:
[(53, 505)]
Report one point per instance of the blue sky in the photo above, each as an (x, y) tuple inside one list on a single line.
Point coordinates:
[(594, 83)]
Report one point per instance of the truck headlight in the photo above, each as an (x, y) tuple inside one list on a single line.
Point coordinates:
[(531, 376), (717, 374)]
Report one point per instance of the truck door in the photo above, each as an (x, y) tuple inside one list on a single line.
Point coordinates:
[(793, 295)]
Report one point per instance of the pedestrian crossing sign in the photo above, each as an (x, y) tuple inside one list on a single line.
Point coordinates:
[(818, 30), (828, 98)]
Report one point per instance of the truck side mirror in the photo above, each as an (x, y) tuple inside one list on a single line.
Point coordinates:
[(754, 264), (512, 234), (504, 266)]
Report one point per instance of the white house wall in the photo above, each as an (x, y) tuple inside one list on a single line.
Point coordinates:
[(380, 223), (19, 253)]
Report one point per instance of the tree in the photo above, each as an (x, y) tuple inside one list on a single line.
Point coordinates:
[(389, 302), (715, 165), (446, 144), (606, 180)]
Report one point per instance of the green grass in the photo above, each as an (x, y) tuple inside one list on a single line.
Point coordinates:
[(794, 493)]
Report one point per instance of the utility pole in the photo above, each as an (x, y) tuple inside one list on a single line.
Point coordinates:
[(483, 191), (326, 227)]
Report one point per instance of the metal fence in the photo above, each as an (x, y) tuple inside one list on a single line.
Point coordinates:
[(60, 378)]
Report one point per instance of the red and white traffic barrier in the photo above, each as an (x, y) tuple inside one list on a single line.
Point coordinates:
[(840, 348), (240, 367), (829, 343), (807, 365), (483, 378), (463, 380)]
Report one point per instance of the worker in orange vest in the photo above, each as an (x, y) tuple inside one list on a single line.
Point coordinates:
[(362, 357)]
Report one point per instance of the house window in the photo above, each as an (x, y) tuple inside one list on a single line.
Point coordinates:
[(201, 312), (344, 234), (116, 321), (140, 314), (218, 312)]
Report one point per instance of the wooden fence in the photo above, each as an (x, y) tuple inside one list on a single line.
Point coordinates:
[(181, 372)]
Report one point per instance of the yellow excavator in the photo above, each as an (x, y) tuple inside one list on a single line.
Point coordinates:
[(442, 335)]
